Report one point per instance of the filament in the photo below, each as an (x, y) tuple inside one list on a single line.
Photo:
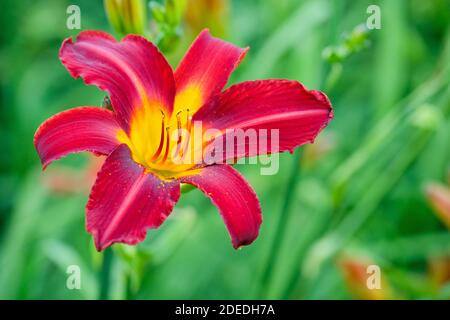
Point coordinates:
[(161, 140), (166, 153)]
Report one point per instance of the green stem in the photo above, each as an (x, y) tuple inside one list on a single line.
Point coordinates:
[(129, 293), (281, 226), (105, 275)]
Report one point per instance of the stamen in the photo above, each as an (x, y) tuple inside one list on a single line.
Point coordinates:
[(166, 153), (188, 130), (179, 133), (188, 120), (179, 126), (161, 140)]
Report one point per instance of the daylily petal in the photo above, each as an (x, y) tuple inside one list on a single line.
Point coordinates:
[(236, 200), (126, 200), (299, 114), (132, 71), (80, 129), (205, 70)]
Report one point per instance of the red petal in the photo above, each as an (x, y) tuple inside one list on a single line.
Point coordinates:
[(125, 201), (207, 65), (80, 129), (298, 113), (236, 200), (132, 71)]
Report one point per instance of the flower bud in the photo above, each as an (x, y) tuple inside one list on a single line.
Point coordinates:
[(126, 16)]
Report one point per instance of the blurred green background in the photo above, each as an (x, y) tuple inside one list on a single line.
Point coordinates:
[(354, 198)]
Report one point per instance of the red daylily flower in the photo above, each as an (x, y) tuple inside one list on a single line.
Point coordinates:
[(139, 182)]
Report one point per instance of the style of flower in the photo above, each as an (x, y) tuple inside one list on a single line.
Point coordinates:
[(139, 182)]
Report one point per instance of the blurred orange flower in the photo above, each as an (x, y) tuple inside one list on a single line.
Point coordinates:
[(439, 270), (439, 198), (356, 274), (69, 180), (314, 152)]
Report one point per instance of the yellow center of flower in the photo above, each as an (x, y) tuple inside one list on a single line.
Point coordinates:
[(166, 144)]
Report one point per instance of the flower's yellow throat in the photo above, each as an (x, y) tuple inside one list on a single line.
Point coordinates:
[(163, 143)]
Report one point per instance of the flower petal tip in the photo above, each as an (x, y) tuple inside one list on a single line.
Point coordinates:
[(102, 244), (79, 129), (322, 98), (240, 245), (237, 202)]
